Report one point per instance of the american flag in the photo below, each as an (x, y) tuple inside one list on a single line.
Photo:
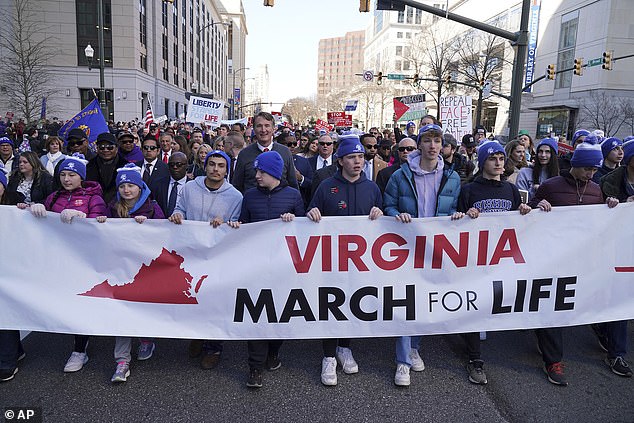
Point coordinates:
[(149, 116)]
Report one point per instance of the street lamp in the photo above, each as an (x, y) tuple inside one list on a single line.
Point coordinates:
[(200, 57), (233, 95), (90, 53)]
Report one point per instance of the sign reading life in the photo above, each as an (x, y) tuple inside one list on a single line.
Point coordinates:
[(204, 110)]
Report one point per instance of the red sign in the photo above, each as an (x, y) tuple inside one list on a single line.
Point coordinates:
[(565, 148), (339, 119), (322, 124)]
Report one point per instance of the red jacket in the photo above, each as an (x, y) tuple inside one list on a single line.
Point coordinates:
[(86, 199), (564, 190)]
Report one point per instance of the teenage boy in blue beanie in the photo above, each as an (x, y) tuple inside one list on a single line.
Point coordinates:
[(210, 198), (271, 199), (573, 187), (612, 149), (486, 194), (422, 187), (347, 193)]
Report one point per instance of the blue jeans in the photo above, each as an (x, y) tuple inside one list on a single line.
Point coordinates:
[(10, 349), (617, 337), (404, 345)]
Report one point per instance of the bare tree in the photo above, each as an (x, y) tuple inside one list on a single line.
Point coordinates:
[(431, 54), (601, 111), (627, 111), (480, 58), (27, 51), (300, 110)]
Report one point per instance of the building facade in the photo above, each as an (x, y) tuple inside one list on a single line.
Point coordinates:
[(339, 59), (155, 52)]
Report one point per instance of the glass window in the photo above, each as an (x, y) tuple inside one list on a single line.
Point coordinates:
[(410, 14), (87, 23), (399, 35), (401, 16), (567, 43), (399, 50), (419, 16)]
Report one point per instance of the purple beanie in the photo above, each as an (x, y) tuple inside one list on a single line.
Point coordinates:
[(488, 148), (130, 174), (270, 162), (551, 142), (610, 144), (587, 155)]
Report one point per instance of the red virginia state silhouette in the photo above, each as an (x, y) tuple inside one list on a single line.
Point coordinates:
[(163, 281)]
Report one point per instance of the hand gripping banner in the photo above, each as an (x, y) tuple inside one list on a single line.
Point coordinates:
[(342, 277)]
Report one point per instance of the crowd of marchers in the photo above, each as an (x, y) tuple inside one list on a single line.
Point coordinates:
[(238, 175)]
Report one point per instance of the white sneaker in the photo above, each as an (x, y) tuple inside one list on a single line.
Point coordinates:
[(417, 363), (121, 373), (75, 362), (329, 371), (401, 378), (346, 360)]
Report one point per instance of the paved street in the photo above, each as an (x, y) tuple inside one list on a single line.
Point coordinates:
[(171, 387)]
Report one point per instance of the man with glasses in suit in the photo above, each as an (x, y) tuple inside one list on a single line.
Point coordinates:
[(103, 168)]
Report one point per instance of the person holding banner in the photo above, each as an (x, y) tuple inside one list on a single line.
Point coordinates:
[(271, 199), (486, 194), (347, 193), (546, 166), (210, 198), (575, 187), (11, 350), (77, 198), (132, 200), (422, 187)]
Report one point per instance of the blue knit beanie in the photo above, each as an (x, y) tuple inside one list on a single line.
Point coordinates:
[(592, 139), (488, 148), (6, 140), (349, 144), (551, 142), (610, 144), (628, 152), (579, 133), (130, 174), (587, 155), (75, 163), (270, 162)]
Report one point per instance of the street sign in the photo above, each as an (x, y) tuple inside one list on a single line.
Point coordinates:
[(595, 62), (486, 90), (368, 75), (410, 107), (396, 76)]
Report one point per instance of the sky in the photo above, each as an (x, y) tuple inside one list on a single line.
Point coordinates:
[(286, 37)]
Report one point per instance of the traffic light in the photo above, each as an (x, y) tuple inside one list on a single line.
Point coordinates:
[(379, 78), (390, 5), (269, 3), (448, 79), (578, 67), (415, 77), (364, 5), (550, 72), (482, 82), (607, 59)]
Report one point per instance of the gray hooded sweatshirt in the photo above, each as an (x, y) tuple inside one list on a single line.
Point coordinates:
[(197, 202)]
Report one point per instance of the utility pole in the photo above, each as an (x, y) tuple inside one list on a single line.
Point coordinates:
[(102, 77)]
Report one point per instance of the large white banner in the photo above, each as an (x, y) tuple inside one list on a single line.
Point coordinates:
[(342, 277), (205, 110)]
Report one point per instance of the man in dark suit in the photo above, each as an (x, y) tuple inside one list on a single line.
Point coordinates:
[(167, 190), (103, 168), (303, 171), (153, 169), (244, 175), (324, 157), (323, 174), (405, 147)]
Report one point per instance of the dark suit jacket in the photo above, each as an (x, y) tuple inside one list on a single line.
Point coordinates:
[(244, 175), (160, 170), (160, 192), (384, 176), (320, 176), (303, 166), (93, 173), (313, 162)]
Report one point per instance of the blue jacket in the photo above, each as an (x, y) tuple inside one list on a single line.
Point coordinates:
[(336, 196), (261, 204), (401, 197)]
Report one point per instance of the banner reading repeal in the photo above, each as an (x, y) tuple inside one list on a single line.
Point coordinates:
[(455, 115), (342, 277)]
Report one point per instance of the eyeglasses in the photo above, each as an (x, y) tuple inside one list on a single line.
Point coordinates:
[(108, 147), (371, 146), (408, 148), (150, 147), (374, 133), (386, 147), (291, 144), (177, 164), (72, 144), (325, 143), (126, 141), (305, 139)]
